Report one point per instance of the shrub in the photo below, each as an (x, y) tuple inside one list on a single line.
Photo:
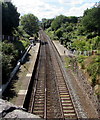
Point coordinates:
[(24, 43), (82, 65), (6, 67), (69, 28), (11, 52), (59, 33), (94, 70), (81, 58)]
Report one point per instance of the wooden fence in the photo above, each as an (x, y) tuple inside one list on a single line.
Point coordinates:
[(85, 53)]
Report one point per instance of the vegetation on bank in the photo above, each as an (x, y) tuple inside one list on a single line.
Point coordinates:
[(12, 50), (75, 33), (81, 34)]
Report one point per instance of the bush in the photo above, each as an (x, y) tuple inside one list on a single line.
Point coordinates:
[(11, 52), (25, 43), (69, 28), (68, 62), (55, 38), (81, 58), (94, 70), (6, 67), (7, 48), (91, 35), (59, 33), (50, 34), (82, 65), (81, 30)]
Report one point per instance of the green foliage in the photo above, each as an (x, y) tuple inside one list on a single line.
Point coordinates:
[(67, 61), (97, 43), (6, 67), (30, 24), (58, 21), (9, 57), (91, 35), (81, 30), (91, 19), (59, 33), (81, 58), (73, 19), (46, 23), (25, 43), (69, 28), (10, 18), (51, 34), (94, 69), (82, 66), (11, 53), (79, 45), (20, 32), (74, 34), (8, 49)]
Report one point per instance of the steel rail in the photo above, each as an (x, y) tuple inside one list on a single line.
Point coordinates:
[(64, 76), (62, 70), (55, 67)]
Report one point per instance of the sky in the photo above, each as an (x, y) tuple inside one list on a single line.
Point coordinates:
[(52, 8)]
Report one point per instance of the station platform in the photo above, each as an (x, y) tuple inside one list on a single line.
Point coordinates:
[(61, 49), (24, 75)]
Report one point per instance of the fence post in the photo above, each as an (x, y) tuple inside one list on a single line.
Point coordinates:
[(13, 38), (85, 53), (8, 37)]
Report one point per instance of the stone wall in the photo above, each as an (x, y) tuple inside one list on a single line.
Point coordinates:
[(8, 110)]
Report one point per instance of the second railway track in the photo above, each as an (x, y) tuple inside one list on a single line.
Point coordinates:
[(50, 97)]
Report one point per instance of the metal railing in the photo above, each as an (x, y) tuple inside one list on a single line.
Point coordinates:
[(9, 38)]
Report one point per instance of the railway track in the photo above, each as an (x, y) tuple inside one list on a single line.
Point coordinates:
[(38, 101), (50, 97)]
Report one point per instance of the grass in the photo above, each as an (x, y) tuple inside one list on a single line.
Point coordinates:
[(67, 62)]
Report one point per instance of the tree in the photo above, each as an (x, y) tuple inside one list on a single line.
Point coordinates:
[(91, 20), (46, 23), (69, 28), (57, 22), (20, 32), (30, 24), (73, 19), (59, 33), (10, 18)]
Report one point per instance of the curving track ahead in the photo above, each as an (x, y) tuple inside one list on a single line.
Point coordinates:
[(50, 97)]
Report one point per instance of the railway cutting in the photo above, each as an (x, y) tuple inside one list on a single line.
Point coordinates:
[(50, 97)]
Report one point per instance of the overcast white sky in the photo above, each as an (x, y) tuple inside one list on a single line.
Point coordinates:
[(53, 8)]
